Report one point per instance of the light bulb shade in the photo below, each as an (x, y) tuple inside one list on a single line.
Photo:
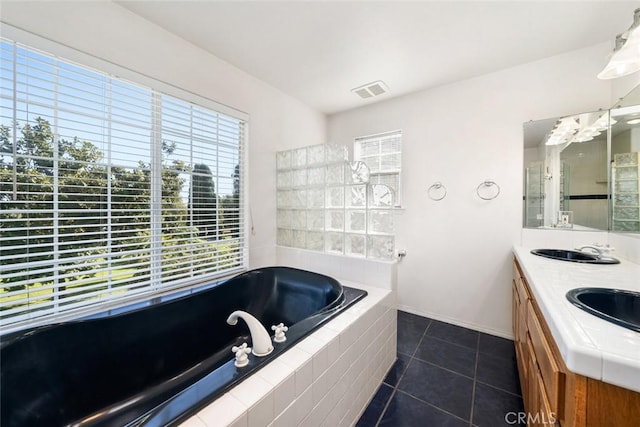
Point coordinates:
[(625, 60), (555, 141), (582, 138)]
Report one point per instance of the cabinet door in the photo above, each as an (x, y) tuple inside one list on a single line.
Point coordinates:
[(524, 298), (532, 404), (518, 343), (549, 367), (515, 311), (546, 416)]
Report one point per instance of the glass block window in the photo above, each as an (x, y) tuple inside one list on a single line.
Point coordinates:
[(328, 203)]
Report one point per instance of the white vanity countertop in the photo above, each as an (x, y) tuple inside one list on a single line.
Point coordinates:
[(590, 346)]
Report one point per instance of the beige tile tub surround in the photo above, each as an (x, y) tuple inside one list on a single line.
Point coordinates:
[(327, 379)]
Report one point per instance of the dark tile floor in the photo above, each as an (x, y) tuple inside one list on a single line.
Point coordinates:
[(446, 375)]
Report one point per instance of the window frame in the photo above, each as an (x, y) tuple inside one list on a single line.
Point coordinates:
[(158, 88), (358, 157)]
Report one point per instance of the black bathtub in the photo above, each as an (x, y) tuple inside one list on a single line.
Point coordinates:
[(159, 362)]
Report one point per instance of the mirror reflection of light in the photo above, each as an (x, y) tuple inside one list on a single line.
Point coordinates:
[(582, 138), (579, 128), (625, 111)]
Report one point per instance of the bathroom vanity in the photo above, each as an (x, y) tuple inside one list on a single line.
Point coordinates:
[(575, 369)]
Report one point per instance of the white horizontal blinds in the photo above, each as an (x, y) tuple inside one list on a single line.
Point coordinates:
[(76, 193), (127, 156), (383, 155), (73, 233), (201, 224)]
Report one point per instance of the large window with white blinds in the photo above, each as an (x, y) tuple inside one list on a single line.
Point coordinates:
[(109, 190)]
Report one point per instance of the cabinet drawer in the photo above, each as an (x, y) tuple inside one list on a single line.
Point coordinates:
[(552, 377), (523, 292), (516, 270)]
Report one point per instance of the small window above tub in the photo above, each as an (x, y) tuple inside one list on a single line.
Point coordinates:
[(382, 153)]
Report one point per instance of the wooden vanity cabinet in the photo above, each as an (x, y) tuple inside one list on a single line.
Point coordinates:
[(541, 381), (553, 395)]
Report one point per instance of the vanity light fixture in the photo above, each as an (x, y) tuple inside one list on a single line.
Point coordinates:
[(563, 131), (633, 121), (626, 55), (580, 128)]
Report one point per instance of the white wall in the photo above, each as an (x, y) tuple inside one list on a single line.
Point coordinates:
[(458, 266), (112, 33)]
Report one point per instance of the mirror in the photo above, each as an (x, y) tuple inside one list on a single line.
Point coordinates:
[(625, 161), (565, 179)]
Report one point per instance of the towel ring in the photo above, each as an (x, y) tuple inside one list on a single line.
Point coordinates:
[(488, 183), (437, 187)]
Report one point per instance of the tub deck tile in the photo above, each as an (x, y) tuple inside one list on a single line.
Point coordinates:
[(328, 377)]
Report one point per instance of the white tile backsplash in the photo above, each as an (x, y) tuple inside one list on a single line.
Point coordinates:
[(257, 394), (304, 405), (282, 381), (304, 377), (381, 274), (227, 410), (325, 380), (565, 239), (287, 418), (626, 246)]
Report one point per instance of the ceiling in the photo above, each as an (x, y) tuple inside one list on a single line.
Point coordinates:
[(318, 51)]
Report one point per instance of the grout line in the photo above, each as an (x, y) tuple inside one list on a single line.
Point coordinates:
[(395, 387), (497, 356), (433, 406), (419, 342), (444, 368), (424, 334), (500, 389), (386, 405), (475, 375), (393, 392), (451, 342), (411, 357)]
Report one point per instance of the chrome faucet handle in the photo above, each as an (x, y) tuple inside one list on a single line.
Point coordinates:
[(279, 330), (241, 352), (598, 249)]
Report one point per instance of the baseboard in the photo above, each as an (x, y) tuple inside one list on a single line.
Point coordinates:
[(457, 322)]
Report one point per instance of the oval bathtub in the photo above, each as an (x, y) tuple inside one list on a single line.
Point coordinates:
[(158, 362)]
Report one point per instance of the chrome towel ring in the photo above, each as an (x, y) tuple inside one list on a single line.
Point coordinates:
[(437, 191), (485, 194)]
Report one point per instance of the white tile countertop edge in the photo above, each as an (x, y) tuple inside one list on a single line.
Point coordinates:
[(589, 346)]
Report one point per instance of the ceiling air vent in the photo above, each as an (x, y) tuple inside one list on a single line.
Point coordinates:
[(371, 89)]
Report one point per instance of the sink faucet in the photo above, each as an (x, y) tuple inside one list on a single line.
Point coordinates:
[(600, 251), (259, 335)]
